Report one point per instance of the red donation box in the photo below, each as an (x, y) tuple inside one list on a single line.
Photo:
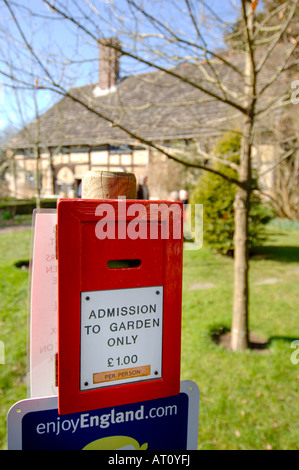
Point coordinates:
[(119, 302)]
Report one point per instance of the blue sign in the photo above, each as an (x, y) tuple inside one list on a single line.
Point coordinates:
[(169, 423)]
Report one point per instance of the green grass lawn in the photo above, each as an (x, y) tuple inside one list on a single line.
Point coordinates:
[(248, 400), (13, 322)]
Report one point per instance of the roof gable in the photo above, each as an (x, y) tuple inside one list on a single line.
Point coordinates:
[(155, 105)]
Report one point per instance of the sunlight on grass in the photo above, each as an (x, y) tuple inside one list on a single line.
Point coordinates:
[(13, 322), (248, 400)]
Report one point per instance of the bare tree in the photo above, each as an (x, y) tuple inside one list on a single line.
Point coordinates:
[(33, 137), (162, 35), (4, 164)]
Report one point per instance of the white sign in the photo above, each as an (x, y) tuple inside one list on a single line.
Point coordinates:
[(121, 336), (43, 306), (168, 423)]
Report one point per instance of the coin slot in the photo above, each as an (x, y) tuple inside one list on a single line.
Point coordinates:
[(123, 263)]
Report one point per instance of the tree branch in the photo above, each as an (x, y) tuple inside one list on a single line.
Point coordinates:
[(151, 144), (277, 37), (170, 72)]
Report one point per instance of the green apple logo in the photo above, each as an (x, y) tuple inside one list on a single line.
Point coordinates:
[(115, 443)]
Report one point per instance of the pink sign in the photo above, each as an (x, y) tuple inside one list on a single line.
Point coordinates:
[(43, 306)]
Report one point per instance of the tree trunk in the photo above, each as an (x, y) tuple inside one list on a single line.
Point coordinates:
[(37, 176), (240, 335), (52, 171), (240, 332)]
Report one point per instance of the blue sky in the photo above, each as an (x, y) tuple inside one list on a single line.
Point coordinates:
[(56, 39)]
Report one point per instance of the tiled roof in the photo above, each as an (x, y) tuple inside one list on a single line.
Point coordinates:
[(154, 105)]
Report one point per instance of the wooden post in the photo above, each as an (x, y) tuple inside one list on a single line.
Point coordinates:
[(108, 185)]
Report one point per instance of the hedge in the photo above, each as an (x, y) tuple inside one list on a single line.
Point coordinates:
[(24, 206)]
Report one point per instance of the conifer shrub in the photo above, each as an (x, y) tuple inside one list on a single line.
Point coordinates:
[(217, 196)]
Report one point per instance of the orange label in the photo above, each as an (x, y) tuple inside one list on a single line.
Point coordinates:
[(121, 374)]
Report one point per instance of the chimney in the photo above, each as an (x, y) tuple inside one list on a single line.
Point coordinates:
[(109, 63)]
